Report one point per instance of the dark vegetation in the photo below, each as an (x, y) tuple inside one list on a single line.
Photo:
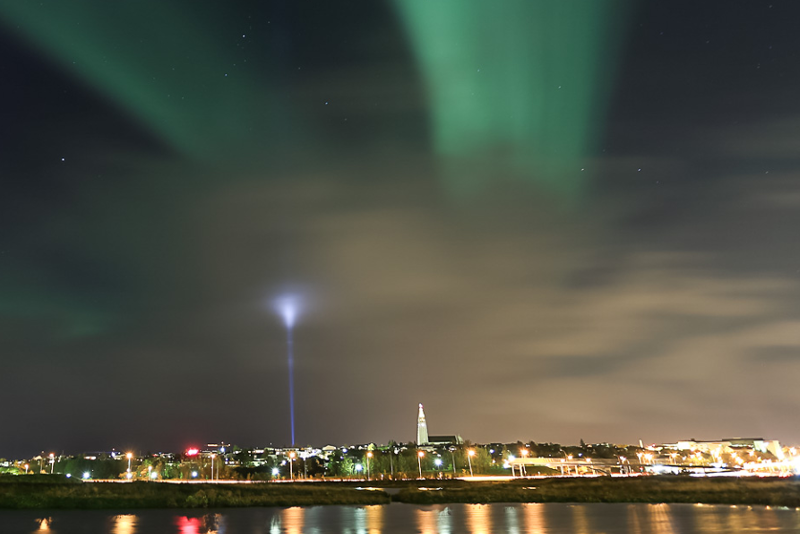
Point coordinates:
[(79, 495), (59, 493), (661, 489)]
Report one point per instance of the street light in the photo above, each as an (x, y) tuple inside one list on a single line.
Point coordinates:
[(453, 458), (26, 468), (212, 466), (129, 455), (420, 454), (369, 455), (470, 454), (52, 462), (291, 468)]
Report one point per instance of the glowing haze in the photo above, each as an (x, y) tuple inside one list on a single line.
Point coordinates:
[(288, 306)]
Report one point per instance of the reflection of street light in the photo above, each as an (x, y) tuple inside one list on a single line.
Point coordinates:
[(420, 454), (369, 455), (470, 454)]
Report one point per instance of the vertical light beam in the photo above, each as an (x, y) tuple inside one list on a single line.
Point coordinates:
[(290, 359), (288, 308)]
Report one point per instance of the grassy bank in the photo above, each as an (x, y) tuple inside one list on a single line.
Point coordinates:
[(767, 491), (152, 495), (26, 493)]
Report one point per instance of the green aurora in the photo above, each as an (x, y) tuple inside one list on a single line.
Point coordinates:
[(186, 72), (519, 81), (519, 85)]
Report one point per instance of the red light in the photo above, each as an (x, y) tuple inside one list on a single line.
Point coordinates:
[(192, 452), (187, 525)]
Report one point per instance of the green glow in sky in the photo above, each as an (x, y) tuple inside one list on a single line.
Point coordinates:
[(518, 81), (185, 74)]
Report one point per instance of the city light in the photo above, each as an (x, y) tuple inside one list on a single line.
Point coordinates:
[(86, 475), (192, 452), (288, 307)]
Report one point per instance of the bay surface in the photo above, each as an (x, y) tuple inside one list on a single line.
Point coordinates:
[(405, 519)]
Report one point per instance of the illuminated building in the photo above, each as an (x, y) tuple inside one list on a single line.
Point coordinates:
[(422, 427)]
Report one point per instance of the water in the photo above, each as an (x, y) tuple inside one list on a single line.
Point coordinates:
[(406, 519)]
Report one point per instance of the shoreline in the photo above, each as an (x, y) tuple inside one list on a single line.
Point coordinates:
[(645, 490)]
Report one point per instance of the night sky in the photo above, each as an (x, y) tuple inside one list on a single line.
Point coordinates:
[(546, 221)]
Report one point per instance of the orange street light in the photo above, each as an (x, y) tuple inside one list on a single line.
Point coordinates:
[(470, 454)]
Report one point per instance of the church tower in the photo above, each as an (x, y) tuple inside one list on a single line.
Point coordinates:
[(422, 427)]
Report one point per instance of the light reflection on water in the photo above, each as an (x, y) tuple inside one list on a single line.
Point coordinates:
[(207, 524), (478, 518), (534, 518), (125, 524), (580, 523), (399, 518)]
